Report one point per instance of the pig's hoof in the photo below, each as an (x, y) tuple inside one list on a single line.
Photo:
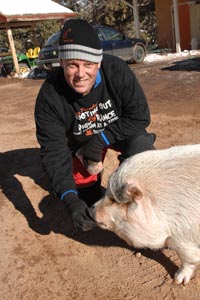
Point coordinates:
[(184, 274)]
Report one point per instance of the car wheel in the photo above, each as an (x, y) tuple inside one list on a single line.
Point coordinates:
[(23, 68), (138, 54)]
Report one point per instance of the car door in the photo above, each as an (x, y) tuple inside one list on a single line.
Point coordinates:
[(120, 45)]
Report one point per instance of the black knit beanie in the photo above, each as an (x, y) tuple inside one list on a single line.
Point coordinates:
[(78, 40)]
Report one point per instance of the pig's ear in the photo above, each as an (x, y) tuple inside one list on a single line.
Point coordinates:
[(133, 191), (130, 192)]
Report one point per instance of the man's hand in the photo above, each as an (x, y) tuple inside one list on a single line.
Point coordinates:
[(83, 221), (91, 166), (91, 154), (78, 211), (93, 150)]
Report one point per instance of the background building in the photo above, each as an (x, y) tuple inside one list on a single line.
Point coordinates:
[(186, 32)]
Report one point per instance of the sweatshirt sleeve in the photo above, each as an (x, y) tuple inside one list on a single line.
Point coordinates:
[(51, 135), (131, 101)]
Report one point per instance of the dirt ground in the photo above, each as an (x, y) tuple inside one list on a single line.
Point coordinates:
[(42, 256)]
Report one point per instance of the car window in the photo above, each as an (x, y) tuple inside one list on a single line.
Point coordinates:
[(112, 34), (100, 34), (53, 40)]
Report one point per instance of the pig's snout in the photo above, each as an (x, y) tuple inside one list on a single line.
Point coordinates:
[(96, 217)]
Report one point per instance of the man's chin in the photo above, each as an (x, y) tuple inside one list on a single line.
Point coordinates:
[(82, 91)]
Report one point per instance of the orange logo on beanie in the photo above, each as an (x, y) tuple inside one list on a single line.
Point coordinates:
[(65, 37)]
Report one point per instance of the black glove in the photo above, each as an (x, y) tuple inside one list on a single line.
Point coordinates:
[(78, 211), (93, 150)]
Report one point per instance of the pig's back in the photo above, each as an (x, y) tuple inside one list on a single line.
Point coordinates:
[(169, 178), (181, 161)]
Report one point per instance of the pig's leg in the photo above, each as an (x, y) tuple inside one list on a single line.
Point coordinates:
[(184, 273), (189, 254)]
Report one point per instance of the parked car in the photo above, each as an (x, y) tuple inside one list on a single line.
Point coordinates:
[(113, 42)]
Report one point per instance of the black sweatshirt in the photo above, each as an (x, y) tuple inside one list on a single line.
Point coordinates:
[(66, 120)]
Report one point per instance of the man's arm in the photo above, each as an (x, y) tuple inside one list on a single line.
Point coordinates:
[(57, 159), (135, 114), (132, 106), (51, 135)]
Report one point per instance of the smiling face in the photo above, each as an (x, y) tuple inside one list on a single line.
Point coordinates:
[(80, 74)]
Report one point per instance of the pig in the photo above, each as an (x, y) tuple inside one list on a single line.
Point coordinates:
[(153, 201)]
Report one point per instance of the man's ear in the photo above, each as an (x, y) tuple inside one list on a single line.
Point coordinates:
[(99, 65)]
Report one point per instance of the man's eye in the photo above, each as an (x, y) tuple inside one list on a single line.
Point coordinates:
[(71, 65), (89, 64)]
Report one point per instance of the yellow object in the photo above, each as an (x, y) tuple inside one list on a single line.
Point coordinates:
[(29, 53), (33, 53), (36, 51)]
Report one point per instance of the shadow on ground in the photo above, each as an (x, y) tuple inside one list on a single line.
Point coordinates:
[(191, 64), (26, 162)]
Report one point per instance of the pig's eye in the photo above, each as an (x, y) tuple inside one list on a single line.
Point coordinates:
[(112, 200)]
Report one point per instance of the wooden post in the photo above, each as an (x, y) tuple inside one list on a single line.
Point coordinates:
[(12, 47), (135, 16), (136, 19), (176, 26), (35, 40)]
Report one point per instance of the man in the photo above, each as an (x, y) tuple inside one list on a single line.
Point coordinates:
[(91, 103)]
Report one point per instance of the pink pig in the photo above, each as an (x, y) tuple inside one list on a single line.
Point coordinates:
[(153, 201)]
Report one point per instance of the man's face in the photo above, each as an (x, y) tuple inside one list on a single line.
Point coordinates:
[(80, 74)]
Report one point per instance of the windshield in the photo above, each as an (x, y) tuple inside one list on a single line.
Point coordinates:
[(112, 34), (53, 40)]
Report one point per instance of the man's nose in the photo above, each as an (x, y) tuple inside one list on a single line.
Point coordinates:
[(80, 71)]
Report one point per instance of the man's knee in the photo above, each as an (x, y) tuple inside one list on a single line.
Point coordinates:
[(140, 143), (136, 144)]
